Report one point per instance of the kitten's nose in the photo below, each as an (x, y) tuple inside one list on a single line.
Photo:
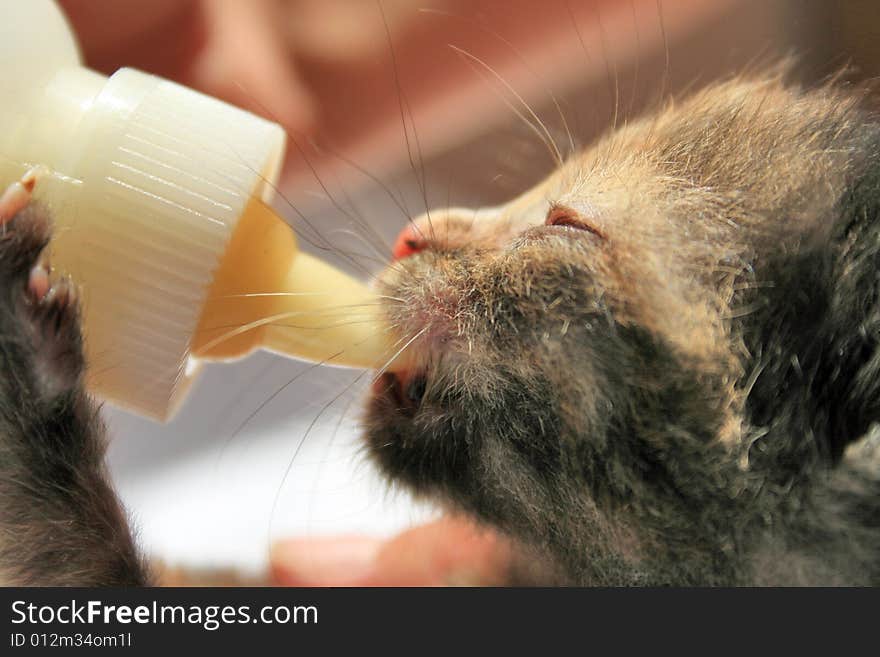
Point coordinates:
[(447, 230), (408, 242)]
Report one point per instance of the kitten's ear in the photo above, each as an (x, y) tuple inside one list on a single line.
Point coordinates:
[(855, 309), (820, 336)]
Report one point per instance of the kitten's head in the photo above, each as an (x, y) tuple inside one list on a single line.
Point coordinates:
[(584, 358)]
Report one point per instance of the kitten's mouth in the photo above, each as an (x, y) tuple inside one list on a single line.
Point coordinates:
[(404, 389)]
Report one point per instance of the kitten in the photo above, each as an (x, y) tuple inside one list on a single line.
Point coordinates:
[(649, 367), (656, 367)]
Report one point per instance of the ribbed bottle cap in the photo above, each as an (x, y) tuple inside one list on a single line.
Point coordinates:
[(162, 175)]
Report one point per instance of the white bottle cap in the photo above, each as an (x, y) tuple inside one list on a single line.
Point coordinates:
[(148, 180)]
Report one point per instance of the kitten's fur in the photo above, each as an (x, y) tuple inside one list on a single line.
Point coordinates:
[(60, 521), (658, 387)]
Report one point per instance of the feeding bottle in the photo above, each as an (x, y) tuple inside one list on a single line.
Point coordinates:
[(159, 197)]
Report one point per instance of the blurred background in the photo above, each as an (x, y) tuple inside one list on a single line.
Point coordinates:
[(392, 107)]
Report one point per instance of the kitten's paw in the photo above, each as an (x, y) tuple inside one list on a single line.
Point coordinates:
[(41, 315), (54, 315)]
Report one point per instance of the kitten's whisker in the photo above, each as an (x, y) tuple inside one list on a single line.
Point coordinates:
[(391, 347), (304, 327), (665, 82), (379, 257), (603, 37), (299, 447), (403, 104), (266, 402), (301, 294), (329, 447), (635, 82), (518, 54), (543, 133), (375, 179), (385, 367), (398, 265), (351, 217), (587, 59), (352, 322), (327, 245), (249, 385), (369, 235), (250, 326), (380, 244)]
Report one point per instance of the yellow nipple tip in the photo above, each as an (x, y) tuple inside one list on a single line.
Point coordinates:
[(268, 294)]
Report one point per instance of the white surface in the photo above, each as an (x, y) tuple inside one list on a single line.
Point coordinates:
[(200, 495)]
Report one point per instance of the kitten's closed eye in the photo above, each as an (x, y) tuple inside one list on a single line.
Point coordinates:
[(559, 215)]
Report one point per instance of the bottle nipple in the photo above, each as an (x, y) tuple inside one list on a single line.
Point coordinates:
[(268, 294)]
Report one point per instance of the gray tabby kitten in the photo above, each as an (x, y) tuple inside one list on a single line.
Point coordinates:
[(657, 367)]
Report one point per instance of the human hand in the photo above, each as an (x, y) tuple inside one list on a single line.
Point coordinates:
[(234, 50), (447, 552)]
